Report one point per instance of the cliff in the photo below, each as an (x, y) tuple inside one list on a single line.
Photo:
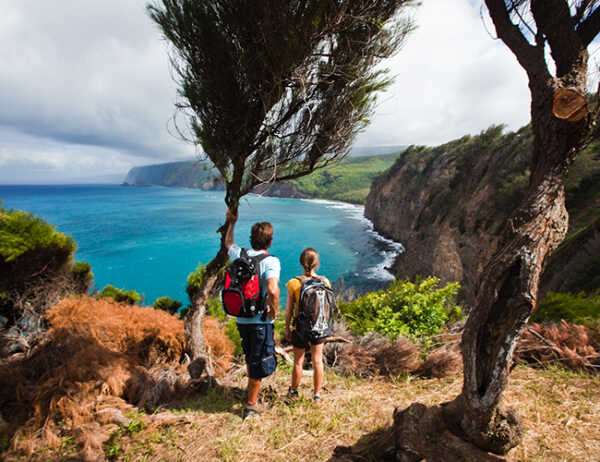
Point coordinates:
[(187, 174), (446, 205), (347, 181)]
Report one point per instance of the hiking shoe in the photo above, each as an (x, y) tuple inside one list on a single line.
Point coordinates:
[(292, 395), (250, 412), (317, 399)]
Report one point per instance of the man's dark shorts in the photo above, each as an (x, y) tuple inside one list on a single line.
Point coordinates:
[(305, 341), (258, 342)]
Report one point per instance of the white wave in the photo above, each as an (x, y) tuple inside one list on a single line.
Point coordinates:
[(393, 249)]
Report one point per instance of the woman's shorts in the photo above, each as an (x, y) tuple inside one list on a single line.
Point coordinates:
[(305, 341)]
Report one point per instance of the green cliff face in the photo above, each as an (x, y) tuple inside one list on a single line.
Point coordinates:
[(446, 205)]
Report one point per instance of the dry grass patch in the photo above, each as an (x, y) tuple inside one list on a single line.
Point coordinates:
[(97, 360), (559, 410)]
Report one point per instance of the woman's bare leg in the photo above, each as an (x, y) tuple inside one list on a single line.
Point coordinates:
[(297, 371), (317, 361)]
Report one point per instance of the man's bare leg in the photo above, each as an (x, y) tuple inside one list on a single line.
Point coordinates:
[(253, 390)]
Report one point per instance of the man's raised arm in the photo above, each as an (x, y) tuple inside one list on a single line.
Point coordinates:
[(228, 239), (273, 297)]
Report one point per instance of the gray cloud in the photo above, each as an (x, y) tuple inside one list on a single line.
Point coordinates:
[(86, 73), (85, 87)]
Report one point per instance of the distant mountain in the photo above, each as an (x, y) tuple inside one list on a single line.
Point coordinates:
[(348, 181), (367, 151), (185, 174)]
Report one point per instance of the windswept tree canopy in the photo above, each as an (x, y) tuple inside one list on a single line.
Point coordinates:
[(276, 89)]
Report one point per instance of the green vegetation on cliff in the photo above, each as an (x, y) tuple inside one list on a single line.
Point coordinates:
[(447, 205), (349, 181)]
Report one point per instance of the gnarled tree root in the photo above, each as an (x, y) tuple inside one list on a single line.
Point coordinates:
[(422, 433)]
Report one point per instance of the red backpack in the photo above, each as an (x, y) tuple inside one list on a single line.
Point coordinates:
[(242, 294)]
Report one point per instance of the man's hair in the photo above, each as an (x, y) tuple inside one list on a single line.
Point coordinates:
[(261, 235)]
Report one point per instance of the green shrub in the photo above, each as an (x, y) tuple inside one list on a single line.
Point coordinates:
[(279, 327), (405, 308), (83, 275), (22, 232), (194, 282), (575, 308), (167, 304), (214, 308), (36, 264), (129, 297)]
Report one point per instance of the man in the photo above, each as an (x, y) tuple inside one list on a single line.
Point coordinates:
[(257, 333)]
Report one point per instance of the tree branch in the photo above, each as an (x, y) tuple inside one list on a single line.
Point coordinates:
[(589, 28), (530, 57), (554, 20)]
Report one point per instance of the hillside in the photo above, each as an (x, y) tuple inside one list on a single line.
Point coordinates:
[(558, 409), (348, 181), (186, 174), (447, 203)]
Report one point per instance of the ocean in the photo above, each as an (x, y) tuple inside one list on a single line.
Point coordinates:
[(150, 238)]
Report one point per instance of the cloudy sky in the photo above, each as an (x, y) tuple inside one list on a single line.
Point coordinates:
[(85, 89)]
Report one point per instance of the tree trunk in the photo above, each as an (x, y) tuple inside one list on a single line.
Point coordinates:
[(506, 297), (508, 290), (194, 335)]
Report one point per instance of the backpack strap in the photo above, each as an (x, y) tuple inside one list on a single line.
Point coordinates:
[(296, 306)]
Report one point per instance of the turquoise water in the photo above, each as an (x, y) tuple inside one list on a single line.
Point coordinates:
[(150, 238)]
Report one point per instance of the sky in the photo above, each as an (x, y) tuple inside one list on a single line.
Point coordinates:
[(86, 91)]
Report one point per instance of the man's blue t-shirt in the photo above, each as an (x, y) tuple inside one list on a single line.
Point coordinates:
[(269, 268)]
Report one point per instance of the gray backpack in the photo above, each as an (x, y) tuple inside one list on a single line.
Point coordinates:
[(316, 309)]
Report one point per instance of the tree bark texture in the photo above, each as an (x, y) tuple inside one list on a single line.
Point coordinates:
[(196, 346), (508, 289)]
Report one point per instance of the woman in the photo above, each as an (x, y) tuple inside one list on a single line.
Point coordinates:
[(309, 260)]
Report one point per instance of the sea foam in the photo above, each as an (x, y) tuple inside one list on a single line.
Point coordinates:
[(391, 249)]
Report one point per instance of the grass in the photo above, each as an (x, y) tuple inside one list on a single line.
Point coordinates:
[(559, 411), (349, 181)]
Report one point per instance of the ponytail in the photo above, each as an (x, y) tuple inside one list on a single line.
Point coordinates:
[(309, 259)]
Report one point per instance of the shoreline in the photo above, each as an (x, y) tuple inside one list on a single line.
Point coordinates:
[(389, 255), (381, 271)]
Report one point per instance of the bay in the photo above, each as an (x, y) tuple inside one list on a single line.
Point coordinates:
[(150, 238)]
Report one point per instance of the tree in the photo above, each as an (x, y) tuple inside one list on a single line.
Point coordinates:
[(507, 292), (273, 90)]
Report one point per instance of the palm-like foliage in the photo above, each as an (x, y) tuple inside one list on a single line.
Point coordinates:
[(272, 89)]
